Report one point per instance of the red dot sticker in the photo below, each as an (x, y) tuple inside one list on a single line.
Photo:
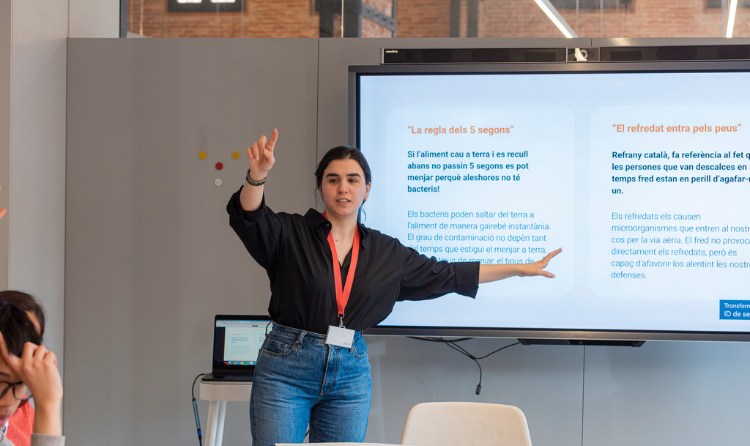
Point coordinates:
[(219, 166)]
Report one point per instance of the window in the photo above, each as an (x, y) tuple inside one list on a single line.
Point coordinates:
[(205, 5), (591, 4)]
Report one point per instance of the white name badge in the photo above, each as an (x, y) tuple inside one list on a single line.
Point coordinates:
[(340, 337)]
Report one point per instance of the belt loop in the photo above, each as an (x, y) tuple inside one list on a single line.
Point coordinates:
[(301, 336), (352, 349)]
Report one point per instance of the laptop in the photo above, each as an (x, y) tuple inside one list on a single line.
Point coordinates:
[(237, 342)]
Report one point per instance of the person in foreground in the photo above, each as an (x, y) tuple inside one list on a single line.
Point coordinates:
[(28, 369), (21, 424), (331, 277)]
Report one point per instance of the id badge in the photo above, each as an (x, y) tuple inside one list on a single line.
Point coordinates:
[(340, 337)]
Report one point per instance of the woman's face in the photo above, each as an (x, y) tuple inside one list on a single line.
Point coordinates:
[(343, 188)]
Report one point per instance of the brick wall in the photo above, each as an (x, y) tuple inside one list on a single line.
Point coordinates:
[(431, 18), (514, 19), (423, 18), (261, 18)]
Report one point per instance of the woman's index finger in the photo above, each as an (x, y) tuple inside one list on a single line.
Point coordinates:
[(274, 138)]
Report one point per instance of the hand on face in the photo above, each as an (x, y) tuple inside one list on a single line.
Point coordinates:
[(260, 155), (37, 368)]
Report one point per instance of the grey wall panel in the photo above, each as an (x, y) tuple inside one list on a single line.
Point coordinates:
[(150, 256), (686, 393), (36, 156), (5, 89), (544, 381)]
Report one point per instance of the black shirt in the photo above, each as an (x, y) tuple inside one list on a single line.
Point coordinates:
[(295, 253)]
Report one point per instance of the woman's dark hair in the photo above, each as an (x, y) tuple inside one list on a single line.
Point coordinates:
[(342, 153), (16, 327), (25, 302)]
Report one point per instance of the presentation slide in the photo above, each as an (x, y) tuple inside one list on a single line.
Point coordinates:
[(641, 178)]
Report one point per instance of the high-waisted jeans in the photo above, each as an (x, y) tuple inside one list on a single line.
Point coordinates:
[(301, 381)]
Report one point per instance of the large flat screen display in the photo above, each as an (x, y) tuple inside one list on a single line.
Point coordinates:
[(638, 170)]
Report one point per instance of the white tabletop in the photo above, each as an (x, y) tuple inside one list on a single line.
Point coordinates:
[(225, 391)]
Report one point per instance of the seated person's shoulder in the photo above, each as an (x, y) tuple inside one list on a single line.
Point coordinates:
[(21, 425), (47, 440)]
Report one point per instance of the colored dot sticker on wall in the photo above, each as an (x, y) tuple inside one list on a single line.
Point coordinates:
[(203, 155)]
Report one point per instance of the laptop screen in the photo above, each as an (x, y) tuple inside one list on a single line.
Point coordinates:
[(237, 341)]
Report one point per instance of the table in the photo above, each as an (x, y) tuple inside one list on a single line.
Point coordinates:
[(218, 393)]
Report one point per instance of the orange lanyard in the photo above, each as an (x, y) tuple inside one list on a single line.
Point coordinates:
[(342, 293)]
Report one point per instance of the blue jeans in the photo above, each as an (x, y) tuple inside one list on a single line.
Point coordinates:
[(301, 381)]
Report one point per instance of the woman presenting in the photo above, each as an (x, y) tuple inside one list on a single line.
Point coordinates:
[(331, 277)]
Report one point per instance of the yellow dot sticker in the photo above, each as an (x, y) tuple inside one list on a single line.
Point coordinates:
[(235, 155), (202, 155)]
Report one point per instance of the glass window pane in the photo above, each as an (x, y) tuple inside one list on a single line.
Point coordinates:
[(435, 18)]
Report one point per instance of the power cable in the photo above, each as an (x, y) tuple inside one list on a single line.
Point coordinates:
[(195, 411), (453, 343)]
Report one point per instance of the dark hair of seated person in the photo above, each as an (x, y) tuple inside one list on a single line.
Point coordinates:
[(17, 328), (27, 303)]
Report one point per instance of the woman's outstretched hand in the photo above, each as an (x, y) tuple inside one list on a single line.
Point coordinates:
[(491, 273), (260, 156), (538, 268)]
